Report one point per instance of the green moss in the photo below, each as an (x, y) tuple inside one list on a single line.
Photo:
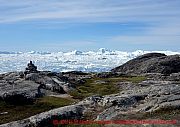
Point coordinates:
[(137, 79), (21, 112), (133, 79), (91, 88), (82, 125), (54, 101), (164, 113), (102, 86), (76, 94)]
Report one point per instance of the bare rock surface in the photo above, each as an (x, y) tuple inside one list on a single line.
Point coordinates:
[(148, 99), (46, 118), (151, 63)]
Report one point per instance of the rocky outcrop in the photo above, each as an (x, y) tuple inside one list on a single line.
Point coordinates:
[(46, 118), (14, 87), (146, 97), (152, 97), (151, 63), (27, 87)]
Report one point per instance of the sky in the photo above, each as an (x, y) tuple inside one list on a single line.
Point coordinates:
[(64, 25)]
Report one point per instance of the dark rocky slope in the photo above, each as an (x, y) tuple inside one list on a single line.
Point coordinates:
[(151, 63)]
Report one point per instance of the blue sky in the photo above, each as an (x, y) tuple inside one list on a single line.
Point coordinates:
[(63, 25)]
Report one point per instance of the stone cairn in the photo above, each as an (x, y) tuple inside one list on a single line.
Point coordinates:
[(31, 68)]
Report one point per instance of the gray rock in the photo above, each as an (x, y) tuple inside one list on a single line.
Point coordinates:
[(32, 85), (151, 63), (19, 93), (158, 96), (154, 97), (46, 118)]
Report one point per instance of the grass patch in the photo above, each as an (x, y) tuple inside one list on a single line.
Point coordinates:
[(91, 88), (165, 114), (102, 86), (133, 79), (25, 111), (54, 101), (82, 125)]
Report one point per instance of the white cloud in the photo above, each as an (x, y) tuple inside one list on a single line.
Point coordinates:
[(147, 39), (89, 10), (167, 34), (68, 45)]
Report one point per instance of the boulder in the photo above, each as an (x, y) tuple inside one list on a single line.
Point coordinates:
[(13, 86), (20, 92)]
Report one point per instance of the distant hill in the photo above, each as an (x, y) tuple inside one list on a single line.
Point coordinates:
[(151, 63)]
